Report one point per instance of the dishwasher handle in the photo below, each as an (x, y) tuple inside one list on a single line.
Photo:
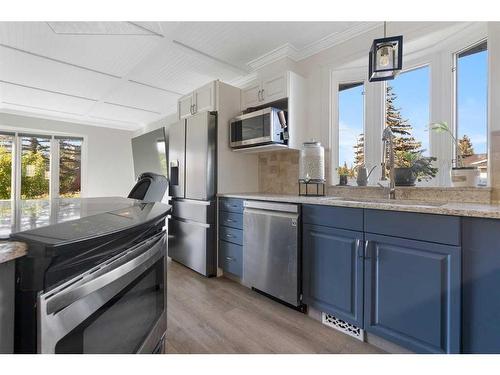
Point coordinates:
[(271, 206)]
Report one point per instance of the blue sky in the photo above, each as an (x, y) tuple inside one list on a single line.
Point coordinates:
[(472, 99), (412, 89)]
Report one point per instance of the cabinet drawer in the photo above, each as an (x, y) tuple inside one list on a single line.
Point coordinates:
[(231, 258), (231, 205), (415, 226), (231, 235), (231, 219), (335, 217)]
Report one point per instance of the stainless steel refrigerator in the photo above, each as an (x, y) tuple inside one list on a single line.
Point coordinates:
[(192, 155)]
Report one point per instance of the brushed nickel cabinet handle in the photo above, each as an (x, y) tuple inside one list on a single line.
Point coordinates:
[(229, 258), (367, 246)]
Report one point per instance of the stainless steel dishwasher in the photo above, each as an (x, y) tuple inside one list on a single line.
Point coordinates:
[(271, 249)]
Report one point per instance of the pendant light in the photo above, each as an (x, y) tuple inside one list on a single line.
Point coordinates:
[(385, 58)]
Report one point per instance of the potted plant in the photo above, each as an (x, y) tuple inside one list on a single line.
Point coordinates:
[(344, 172), (412, 166), (461, 176)]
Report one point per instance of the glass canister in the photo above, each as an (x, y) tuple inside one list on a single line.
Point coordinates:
[(312, 162)]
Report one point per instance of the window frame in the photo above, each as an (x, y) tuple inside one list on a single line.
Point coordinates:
[(54, 160)]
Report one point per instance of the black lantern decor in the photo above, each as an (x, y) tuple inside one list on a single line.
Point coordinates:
[(385, 58)]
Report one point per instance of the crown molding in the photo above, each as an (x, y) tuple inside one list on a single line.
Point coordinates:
[(290, 51)]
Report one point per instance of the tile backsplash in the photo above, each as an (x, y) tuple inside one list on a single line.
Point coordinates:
[(279, 172)]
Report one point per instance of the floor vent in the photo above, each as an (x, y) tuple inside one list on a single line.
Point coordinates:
[(343, 326)]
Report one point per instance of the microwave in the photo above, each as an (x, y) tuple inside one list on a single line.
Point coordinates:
[(263, 127)]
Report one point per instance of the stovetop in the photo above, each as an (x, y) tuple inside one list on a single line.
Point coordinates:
[(23, 215)]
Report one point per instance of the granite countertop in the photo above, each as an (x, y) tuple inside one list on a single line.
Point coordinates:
[(10, 250), (22, 215), (440, 208)]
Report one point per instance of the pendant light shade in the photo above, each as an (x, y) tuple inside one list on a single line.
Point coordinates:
[(385, 58)]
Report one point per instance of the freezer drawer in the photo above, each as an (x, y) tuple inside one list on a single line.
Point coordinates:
[(271, 258), (192, 244), (201, 211)]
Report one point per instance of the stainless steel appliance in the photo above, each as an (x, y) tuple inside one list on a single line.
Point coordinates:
[(116, 307), (193, 187), (95, 284), (258, 128), (271, 249)]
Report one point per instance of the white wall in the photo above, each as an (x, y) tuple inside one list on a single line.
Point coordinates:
[(107, 166), (164, 121)]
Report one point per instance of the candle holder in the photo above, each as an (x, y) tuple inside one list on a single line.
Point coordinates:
[(311, 188)]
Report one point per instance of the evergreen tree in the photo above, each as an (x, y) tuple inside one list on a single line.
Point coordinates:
[(465, 145), (359, 150), (404, 140)]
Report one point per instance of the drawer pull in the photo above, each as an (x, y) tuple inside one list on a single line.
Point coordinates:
[(229, 220), (230, 259), (229, 235)]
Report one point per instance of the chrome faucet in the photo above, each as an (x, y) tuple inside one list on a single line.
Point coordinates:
[(388, 151)]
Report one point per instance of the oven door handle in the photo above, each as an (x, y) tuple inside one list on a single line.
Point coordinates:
[(127, 267)]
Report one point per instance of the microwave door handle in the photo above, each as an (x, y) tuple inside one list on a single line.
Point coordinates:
[(126, 267)]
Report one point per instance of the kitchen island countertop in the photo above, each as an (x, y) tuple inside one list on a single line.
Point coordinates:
[(491, 211), (10, 250)]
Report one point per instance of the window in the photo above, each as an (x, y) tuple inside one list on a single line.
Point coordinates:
[(70, 165), (351, 124), (26, 161), (407, 109), (471, 107), (35, 166), (6, 161)]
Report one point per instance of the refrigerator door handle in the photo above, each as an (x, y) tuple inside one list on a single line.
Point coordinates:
[(188, 221)]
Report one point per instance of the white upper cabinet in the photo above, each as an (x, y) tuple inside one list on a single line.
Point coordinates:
[(275, 88), (185, 106), (265, 91), (202, 99), (250, 95)]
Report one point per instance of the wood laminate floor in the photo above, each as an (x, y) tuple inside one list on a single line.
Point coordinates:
[(217, 315)]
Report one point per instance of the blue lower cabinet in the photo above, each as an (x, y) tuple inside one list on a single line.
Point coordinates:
[(333, 271), (231, 258), (412, 293), (481, 283)]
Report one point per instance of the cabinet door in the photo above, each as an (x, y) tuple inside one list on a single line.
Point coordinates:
[(333, 272), (250, 95), (184, 106), (481, 279), (274, 88), (412, 293), (204, 98)]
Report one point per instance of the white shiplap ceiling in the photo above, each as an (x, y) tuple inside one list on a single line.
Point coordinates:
[(127, 74)]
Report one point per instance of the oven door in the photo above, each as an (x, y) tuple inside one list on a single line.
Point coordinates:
[(116, 307), (252, 129)]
